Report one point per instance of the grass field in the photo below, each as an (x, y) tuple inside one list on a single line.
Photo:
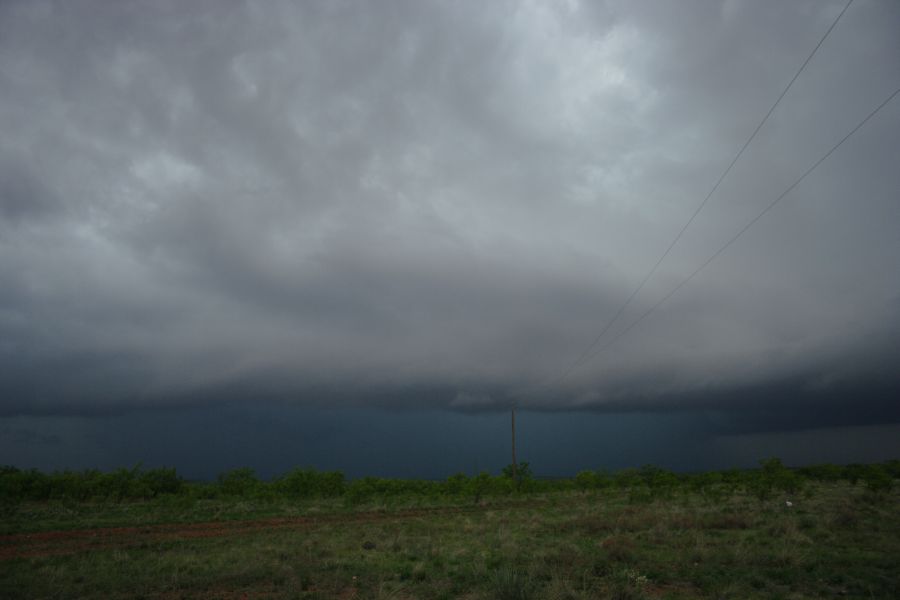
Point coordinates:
[(835, 541)]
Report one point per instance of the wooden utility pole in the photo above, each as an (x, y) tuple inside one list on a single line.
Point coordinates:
[(514, 473)]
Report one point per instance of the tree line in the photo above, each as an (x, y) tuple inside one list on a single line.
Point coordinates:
[(645, 483)]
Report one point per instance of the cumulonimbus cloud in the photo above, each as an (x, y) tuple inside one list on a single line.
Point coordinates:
[(437, 205)]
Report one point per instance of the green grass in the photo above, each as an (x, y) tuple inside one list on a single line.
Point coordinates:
[(69, 515), (836, 541)]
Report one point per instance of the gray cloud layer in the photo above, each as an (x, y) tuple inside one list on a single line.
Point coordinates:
[(440, 204)]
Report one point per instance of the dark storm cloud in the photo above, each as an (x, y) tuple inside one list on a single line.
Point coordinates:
[(22, 195), (204, 441), (440, 205)]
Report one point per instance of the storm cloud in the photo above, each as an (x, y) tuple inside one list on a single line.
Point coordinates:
[(440, 205)]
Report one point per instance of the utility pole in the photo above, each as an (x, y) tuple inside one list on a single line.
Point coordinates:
[(514, 473)]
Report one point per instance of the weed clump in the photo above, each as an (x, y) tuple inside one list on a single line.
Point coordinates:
[(512, 584), (618, 547)]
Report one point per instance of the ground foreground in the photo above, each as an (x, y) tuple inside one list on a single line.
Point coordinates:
[(834, 540)]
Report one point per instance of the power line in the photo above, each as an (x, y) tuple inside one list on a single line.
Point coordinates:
[(587, 352), (744, 229)]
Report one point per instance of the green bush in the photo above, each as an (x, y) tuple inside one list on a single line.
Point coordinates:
[(877, 479), (119, 485), (644, 484), (479, 486), (162, 481), (523, 471), (826, 472), (853, 473), (239, 482), (893, 468), (778, 477), (586, 480), (456, 484), (627, 478), (307, 483), (661, 483)]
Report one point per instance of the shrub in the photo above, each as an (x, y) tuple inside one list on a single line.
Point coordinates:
[(523, 471), (660, 482), (586, 480), (118, 485), (456, 484), (853, 473), (893, 468), (307, 483), (479, 486), (776, 476), (877, 479), (239, 482), (162, 481), (826, 472), (17, 485), (627, 478), (512, 584)]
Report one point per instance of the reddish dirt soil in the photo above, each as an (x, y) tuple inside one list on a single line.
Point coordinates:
[(52, 543)]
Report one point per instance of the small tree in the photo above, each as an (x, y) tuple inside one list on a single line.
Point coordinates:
[(586, 480), (239, 482), (878, 481), (522, 470), (456, 483)]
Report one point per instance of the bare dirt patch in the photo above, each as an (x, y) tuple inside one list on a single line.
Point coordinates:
[(53, 543)]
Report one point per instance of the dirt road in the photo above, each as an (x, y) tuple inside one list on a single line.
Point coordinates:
[(52, 543)]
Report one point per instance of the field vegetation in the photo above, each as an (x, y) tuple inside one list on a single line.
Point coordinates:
[(771, 532)]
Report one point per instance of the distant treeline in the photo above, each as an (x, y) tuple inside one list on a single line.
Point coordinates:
[(648, 482)]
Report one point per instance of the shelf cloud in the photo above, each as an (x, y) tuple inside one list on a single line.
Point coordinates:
[(440, 205)]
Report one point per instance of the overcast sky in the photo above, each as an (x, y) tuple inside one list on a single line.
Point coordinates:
[(440, 205)]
